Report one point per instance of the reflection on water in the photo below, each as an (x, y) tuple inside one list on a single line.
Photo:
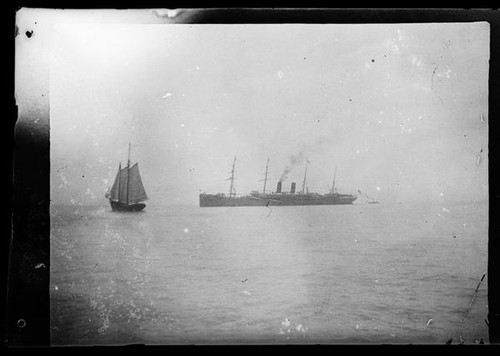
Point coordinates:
[(330, 274)]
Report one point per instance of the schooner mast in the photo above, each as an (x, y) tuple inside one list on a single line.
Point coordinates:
[(128, 172)]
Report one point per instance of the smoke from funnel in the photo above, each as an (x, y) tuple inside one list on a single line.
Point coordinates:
[(295, 160), (319, 144)]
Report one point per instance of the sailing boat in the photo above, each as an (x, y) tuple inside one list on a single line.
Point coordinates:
[(127, 192)]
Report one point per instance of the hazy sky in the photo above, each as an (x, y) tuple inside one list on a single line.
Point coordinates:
[(395, 108)]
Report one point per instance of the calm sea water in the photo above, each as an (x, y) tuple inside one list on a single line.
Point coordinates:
[(401, 273)]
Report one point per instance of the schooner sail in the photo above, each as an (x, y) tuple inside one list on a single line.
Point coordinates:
[(127, 192)]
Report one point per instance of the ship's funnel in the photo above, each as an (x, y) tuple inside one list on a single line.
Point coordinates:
[(278, 188), (292, 188)]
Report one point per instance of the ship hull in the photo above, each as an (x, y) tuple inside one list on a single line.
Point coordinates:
[(210, 200), (116, 206)]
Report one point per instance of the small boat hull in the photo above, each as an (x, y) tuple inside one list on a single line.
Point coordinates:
[(116, 206)]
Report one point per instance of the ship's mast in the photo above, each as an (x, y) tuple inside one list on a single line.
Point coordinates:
[(333, 185), (128, 169), (231, 193), (304, 182), (265, 177)]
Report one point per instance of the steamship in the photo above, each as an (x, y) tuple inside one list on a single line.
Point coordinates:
[(278, 197)]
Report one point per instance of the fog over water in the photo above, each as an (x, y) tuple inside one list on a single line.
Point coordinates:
[(399, 109)]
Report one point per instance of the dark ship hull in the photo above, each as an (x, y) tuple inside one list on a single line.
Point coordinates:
[(116, 206), (217, 200)]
